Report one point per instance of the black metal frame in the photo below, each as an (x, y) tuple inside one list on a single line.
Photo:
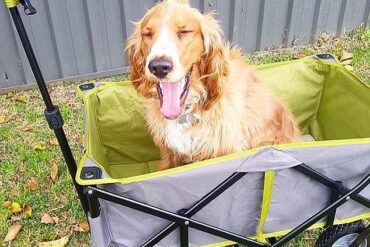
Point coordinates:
[(52, 113), (184, 220), (90, 195)]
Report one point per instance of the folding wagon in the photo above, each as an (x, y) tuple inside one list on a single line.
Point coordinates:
[(261, 197)]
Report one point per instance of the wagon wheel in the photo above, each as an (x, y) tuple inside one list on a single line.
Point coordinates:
[(341, 235)]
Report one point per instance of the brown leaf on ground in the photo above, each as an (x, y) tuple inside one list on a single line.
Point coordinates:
[(48, 219), (82, 139), (64, 216), (27, 128), (347, 62), (32, 185), (27, 210), (54, 173), (39, 147), (85, 226), (21, 98), (55, 243), (15, 207), (13, 232), (298, 55), (56, 219), (2, 119), (15, 218), (82, 227), (7, 204), (54, 141), (9, 95), (346, 56)]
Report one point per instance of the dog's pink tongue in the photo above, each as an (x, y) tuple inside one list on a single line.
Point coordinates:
[(171, 105)]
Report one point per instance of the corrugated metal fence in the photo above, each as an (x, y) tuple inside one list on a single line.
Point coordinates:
[(84, 38)]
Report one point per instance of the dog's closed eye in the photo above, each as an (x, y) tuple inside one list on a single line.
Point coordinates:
[(182, 33), (147, 34)]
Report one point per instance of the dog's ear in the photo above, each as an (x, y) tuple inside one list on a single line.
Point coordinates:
[(135, 57), (213, 64)]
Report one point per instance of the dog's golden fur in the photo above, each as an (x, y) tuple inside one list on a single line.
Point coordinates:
[(235, 111)]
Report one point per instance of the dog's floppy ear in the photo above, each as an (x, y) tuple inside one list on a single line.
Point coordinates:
[(213, 65), (135, 58)]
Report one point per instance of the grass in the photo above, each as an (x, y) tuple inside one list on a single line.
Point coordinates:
[(20, 163), (24, 126), (356, 42)]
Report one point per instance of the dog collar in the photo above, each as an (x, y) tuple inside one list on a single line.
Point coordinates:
[(189, 118)]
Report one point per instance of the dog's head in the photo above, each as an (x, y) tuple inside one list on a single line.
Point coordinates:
[(176, 55)]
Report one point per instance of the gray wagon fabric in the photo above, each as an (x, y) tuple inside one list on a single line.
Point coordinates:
[(295, 197)]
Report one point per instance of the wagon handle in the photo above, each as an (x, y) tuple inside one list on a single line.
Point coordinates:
[(28, 8), (52, 113)]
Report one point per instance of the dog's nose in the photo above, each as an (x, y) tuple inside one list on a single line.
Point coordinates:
[(160, 68)]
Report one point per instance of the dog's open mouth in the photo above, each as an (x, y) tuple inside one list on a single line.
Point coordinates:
[(172, 96)]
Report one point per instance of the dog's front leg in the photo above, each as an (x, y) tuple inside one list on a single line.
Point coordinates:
[(167, 159)]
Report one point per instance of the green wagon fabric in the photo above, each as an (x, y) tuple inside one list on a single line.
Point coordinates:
[(330, 104)]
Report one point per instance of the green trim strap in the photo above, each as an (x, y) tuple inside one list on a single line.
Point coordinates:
[(210, 162), (268, 186), (285, 232), (11, 3)]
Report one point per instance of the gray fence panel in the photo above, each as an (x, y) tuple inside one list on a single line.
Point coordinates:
[(115, 32), (80, 31), (302, 19), (44, 41), (23, 58), (85, 38), (63, 37), (10, 61)]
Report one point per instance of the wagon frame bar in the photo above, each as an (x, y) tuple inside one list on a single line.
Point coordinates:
[(184, 220), (89, 196)]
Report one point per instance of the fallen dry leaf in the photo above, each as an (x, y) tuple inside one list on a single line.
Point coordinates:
[(10, 95), (7, 204), (298, 55), (15, 207), (27, 128), (47, 219), (56, 219), (82, 227), (54, 141), (346, 56), (85, 226), (347, 62), (13, 232), (2, 119), (82, 139), (54, 173), (21, 98), (39, 147), (15, 218), (27, 210), (55, 243), (32, 185)]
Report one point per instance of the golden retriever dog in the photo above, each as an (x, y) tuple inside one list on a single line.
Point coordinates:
[(202, 100)]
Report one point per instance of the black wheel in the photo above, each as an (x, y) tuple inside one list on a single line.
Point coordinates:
[(341, 235)]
